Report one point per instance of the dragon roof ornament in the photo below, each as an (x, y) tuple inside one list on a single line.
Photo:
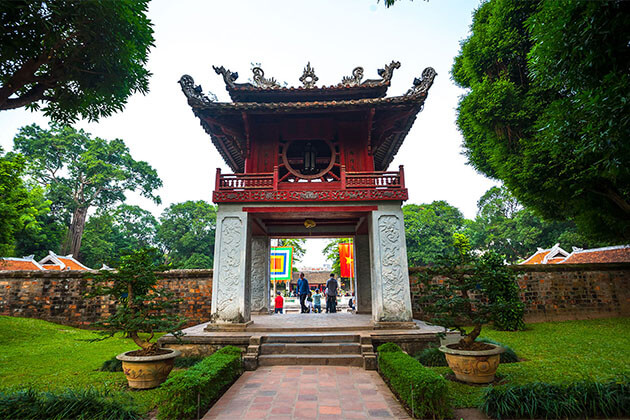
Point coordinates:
[(195, 93), (422, 85), (262, 82)]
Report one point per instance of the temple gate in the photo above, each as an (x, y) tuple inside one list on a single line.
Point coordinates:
[(309, 161)]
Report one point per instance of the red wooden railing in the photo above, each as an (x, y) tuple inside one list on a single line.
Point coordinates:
[(349, 180)]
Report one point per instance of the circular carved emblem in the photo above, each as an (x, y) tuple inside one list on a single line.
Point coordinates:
[(308, 159)]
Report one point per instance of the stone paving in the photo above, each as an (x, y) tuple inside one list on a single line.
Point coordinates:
[(309, 392)]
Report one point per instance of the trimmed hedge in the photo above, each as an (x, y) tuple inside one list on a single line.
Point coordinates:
[(581, 399), (432, 356), (65, 405), (423, 391), (201, 385)]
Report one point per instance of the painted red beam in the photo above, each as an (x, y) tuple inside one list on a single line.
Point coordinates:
[(349, 209)]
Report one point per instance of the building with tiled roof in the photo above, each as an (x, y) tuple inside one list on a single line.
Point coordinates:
[(61, 263), (553, 255), (14, 264), (610, 254)]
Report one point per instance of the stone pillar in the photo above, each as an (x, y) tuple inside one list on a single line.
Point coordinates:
[(260, 275), (231, 282), (363, 274), (391, 298)]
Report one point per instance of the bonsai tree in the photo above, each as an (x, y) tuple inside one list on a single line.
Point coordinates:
[(142, 306), (464, 289)]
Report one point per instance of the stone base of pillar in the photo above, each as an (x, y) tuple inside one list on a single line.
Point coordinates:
[(262, 312), (405, 325), (228, 326), (364, 312)]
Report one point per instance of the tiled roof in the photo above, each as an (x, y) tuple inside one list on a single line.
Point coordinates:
[(553, 255), (14, 264), (57, 262), (612, 254), (223, 121)]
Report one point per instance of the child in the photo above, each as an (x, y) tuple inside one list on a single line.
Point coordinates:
[(317, 300), (279, 303), (309, 299)]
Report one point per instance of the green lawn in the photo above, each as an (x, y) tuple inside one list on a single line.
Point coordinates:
[(557, 352), (47, 356)]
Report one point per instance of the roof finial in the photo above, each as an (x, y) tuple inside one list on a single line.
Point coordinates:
[(308, 78)]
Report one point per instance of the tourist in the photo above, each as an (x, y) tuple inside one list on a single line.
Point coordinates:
[(317, 301), (279, 303), (331, 294), (303, 289), (309, 299), (351, 302)]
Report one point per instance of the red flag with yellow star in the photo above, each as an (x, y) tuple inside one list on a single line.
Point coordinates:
[(346, 260)]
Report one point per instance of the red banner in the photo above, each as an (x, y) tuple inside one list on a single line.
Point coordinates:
[(346, 260)]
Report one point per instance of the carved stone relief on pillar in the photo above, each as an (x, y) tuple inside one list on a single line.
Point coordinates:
[(395, 283), (260, 274), (229, 287)]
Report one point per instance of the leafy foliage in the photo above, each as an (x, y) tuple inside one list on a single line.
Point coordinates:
[(581, 399), (471, 290), (142, 306), (110, 234), (197, 388), (82, 59), (80, 172), (547, 110), (186, 233), (429, 230), (504, 225), (298, 247), (20, 207), (68, 404), (115, 365), (423, 391)]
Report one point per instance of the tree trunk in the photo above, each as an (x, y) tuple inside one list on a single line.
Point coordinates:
[(73, 243), (469, 339)]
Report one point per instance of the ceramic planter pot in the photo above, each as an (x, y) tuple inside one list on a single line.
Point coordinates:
[(145, 372), (477, 367)]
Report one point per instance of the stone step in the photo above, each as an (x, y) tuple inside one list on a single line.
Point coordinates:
[(311, 338), (310, 360), (310, 348)]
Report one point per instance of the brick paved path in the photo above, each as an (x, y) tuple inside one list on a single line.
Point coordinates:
[(310, 392)]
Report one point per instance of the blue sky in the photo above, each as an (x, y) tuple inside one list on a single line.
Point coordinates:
[(335, 36)]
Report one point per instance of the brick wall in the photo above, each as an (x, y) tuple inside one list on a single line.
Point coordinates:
[(58, 296), (558, 292), (550, 293)]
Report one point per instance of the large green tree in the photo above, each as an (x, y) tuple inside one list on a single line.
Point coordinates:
[(429, 230), (110, 234), (547, 108), (504, 225), (186, 233), (81, 172), (20, 206), (78, 58)]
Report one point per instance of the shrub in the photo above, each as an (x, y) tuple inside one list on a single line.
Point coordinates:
[(69, 404), (422, 390), (431, 356), (388, 348), (198, 387), (555, 401)]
